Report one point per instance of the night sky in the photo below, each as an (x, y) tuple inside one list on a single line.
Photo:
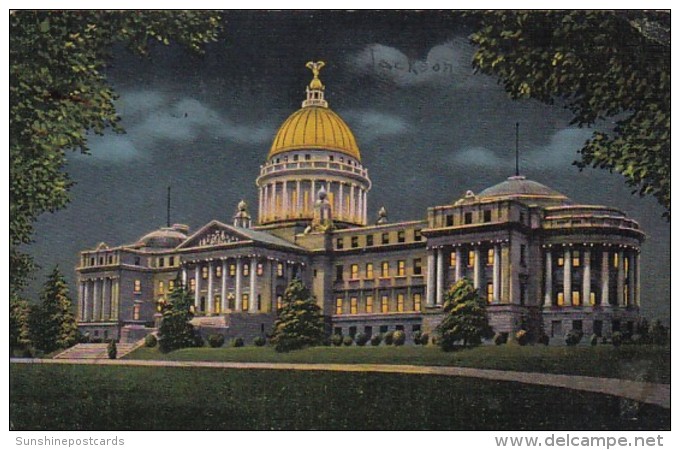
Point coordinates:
[(428, 129)]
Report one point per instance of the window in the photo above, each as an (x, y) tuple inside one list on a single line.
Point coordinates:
[(307, 157), (576, 258), (560, 299), (385, 304), (400, 302), (245, 303), (172, 261), (259, 302), (218, 271), (138, 286), (353, 305), (339, 244), (161, 287), (593, 299), (92, 260), (232, 270), (296, 157), (385, 238), (577, 325), (417, 235), (218, 304), (385, 269), (204, 272), (556, 328), (468, 218), (260, 269), (523, 255), (161, 262), (246, 270), (338, 306), (279, 269), (369, 240), (109, 260), (401, 268), (417, 301), (192, 284), (369, 271), (452, 259), (521, 216), (560, 260), (489, 292), (135, 312), (138, 261), (616, 260), (101, 260), (471, 258), (279, 302), (417, 266), (354, 272), (352, 331), (171, 285), (338, 272), (487, 215), (383, 328), (449, 220), (625, 266), (369, 303), (355, 241), (401, 236), (597, 328), (489, 257), (576, 298)]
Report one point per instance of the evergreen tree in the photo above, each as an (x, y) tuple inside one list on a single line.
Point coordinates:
[(19, 333), (176, 331), (300, 323), (465, 319), (52, 323)]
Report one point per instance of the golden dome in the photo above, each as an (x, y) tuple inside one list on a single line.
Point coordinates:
[(315, 128)]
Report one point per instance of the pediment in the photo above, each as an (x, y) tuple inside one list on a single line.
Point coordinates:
[(214, 233)]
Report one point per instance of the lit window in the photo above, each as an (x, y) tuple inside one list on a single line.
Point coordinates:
[(385, 304), (385, 238), (279, 302), (246, 270), (135, 312), (576, 258), (245, 302), (576, 298), (369, 304), (354, 272), (204, 272), (353, 305), (593, 299), (400, 302), (385, 269), (218, 271), (369, 240), (279, 270), (369, 271), (171, 285), (489, 257), (417, 266), (417, 235), (471, 258), (560, 261), (452, 259), (560, 299), (489, 292), (401, 268), (616, 260), (232, 270), (192, 285), (338, 306), (138, 286), (218, 304), (417, 300), (161, 287), (401, 236), (260, 269), (625, 265)]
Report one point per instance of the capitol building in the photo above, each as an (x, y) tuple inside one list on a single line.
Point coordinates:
[(542, 261)]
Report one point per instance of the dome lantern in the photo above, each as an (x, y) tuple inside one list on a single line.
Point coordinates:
[(315, 89)]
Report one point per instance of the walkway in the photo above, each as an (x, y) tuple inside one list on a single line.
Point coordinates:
[(656, 394)]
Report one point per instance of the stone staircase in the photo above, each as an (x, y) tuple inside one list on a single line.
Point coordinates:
[(96, 351)]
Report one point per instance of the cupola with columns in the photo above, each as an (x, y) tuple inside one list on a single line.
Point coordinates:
[(314, 148)]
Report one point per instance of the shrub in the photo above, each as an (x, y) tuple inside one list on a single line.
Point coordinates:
[(326, 341), (150, 341), (336, 340), (500, 338), (424, 339), (347, 341), (260, 341), (658, 333), (636, 339), (573, 337), (522, 337), (416, 337), (398, 338), (617, 339), (376, 339), (198, 339), (216, 340), (237, 342), (593, 340), (544, 339), (112, 350), (361, 339), (389, 338), (28, 352)]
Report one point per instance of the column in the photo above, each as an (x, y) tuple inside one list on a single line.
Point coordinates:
[(637, 278), (548, 300), (285, 202), (631, 279), (440, 276), (106, 304), (477, 269), (298, 206), (223, 291), (115, 298), (567, 277), (496, 273), (209, 296), (604, 297), (351, 202), (252, 306), (506, 273), (430, 279), (360, 207), (272, 200), (586, 277), (459, 265), (239, 292), (265, 202), (620, 281), (261, 202), (197, 287), (81, 301), (365, 212), (184, 278), (96, 297), (312, 196), (341, 197)]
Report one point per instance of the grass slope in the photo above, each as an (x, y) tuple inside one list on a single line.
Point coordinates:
[(642, 363), (71, 397)]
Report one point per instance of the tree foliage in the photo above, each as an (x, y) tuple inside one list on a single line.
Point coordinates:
[(59, 95), (611, 66), (176, 330), (19, 333), (465, 317), (299, 323), (52, 324)]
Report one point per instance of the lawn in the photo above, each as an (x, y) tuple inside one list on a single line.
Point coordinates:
[(642, 363), (76, 397)]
